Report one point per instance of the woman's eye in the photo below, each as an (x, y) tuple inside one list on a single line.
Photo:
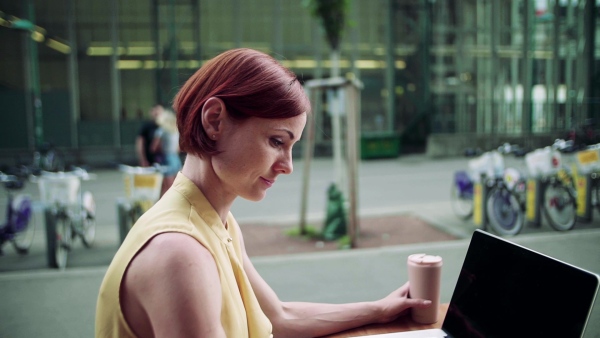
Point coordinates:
[(276, 142)]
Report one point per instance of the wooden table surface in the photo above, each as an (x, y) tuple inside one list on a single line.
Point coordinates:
[(404, 323)]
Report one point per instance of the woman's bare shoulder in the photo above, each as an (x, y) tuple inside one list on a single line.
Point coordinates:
[(162, 278), (171, 250)]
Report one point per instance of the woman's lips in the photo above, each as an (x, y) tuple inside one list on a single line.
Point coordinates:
[(269, 183)]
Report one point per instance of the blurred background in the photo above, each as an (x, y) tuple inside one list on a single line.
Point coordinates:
[(438, 75)]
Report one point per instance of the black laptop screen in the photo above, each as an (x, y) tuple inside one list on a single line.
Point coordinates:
[(505, 290)]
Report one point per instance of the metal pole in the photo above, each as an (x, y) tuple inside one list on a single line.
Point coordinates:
[(73, 73), (527, 67), (114, 73), (173, 53), (355, 34), (588, 67), (390, 66), (317, 74), (197, 38), (35, 93), (353, 134), (556, 64), (494, 67), (237, 22), (459, 61), (308, 148), (155, 29), (277, 30)]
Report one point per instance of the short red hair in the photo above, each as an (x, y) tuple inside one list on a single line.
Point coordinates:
[(249, 82)]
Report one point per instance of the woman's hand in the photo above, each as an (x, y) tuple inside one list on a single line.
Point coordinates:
[(397, 304)]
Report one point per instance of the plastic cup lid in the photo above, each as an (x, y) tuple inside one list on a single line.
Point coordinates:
[(422, 258)]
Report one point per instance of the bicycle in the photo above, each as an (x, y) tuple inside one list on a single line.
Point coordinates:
[(558, 194), (70, 213), (19, 227), (505, 203), (142, 190), (489, 164), (47, 158)]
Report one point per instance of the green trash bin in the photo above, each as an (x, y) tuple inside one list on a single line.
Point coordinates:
[(379, 145)]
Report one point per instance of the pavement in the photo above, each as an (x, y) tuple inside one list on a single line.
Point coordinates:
[(41, 302)]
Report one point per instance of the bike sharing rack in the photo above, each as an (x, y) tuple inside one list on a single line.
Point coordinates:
[(533, 206), (536, 186), (480, 195), (586, 177), (142, 190)]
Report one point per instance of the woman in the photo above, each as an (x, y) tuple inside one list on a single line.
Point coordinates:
[(166, 141), (183, 271)]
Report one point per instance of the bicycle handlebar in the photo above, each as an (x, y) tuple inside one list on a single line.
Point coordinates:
[(8, 178), (508, 148), (562, 145), (75, 172), (142, 170)]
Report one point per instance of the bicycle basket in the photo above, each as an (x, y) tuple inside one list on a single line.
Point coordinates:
[(489, 163), (142, 186), (59, 188), (588, 161), (543, 162)]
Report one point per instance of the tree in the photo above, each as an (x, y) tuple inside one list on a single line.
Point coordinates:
[(332, 15)]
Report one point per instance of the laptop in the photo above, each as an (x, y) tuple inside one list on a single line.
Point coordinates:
[(507, 290)]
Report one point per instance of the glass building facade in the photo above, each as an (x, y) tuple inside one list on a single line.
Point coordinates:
[(83, 74)]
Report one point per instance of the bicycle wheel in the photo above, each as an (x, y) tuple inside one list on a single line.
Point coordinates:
[(24, 224), (88, 222), (461, 195), (504, 212), (462, 203), (58, 239), (559, 207)]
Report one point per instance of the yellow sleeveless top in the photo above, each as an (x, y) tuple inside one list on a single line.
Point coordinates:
[(184, 209)]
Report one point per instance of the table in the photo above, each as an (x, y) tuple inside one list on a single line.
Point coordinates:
[(404, 323)]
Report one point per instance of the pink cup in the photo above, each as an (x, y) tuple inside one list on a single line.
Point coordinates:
[(424, 276)]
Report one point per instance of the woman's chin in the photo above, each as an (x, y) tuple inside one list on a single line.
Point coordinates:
[(254, 197)]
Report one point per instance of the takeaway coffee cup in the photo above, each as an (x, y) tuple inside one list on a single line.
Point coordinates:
[(424, 275)]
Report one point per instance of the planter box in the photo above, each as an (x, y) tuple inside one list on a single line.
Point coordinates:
[(379, 145)]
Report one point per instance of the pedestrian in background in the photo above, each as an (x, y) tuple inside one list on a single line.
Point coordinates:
[(146, 157), (166, 142), (183, 270)]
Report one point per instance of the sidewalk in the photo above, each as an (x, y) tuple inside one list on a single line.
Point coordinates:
[(62, 304), (48, 303)]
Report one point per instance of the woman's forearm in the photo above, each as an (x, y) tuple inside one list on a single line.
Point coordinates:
[(313, 319)]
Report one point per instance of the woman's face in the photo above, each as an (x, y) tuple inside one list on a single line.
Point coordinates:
[(254, 153)]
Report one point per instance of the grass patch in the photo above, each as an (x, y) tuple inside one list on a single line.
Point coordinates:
[(310, 232), (344, 242)]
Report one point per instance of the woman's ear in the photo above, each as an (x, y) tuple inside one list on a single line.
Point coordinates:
[(213, 113)]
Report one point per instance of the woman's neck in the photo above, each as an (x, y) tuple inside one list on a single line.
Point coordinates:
[(200, 171)]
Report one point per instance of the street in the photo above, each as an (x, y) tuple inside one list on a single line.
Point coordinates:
[(409, 184)]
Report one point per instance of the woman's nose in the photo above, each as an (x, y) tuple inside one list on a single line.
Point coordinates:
[(285, 165)]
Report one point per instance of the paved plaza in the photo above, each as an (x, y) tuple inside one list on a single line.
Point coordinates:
[(41, 302)]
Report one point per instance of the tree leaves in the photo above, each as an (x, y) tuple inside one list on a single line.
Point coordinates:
[(332, 14)]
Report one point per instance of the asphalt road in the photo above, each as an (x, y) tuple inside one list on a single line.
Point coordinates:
[(406, 184)]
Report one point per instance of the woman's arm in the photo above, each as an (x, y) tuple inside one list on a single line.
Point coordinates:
[(141, 151), (300, 319), (172, 289), (155, 144)]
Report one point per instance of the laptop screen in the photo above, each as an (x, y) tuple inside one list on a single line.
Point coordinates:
[(506, 290)]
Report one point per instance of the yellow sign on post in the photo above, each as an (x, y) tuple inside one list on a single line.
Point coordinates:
[(582, 191), (478, 204), (531, 207)]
